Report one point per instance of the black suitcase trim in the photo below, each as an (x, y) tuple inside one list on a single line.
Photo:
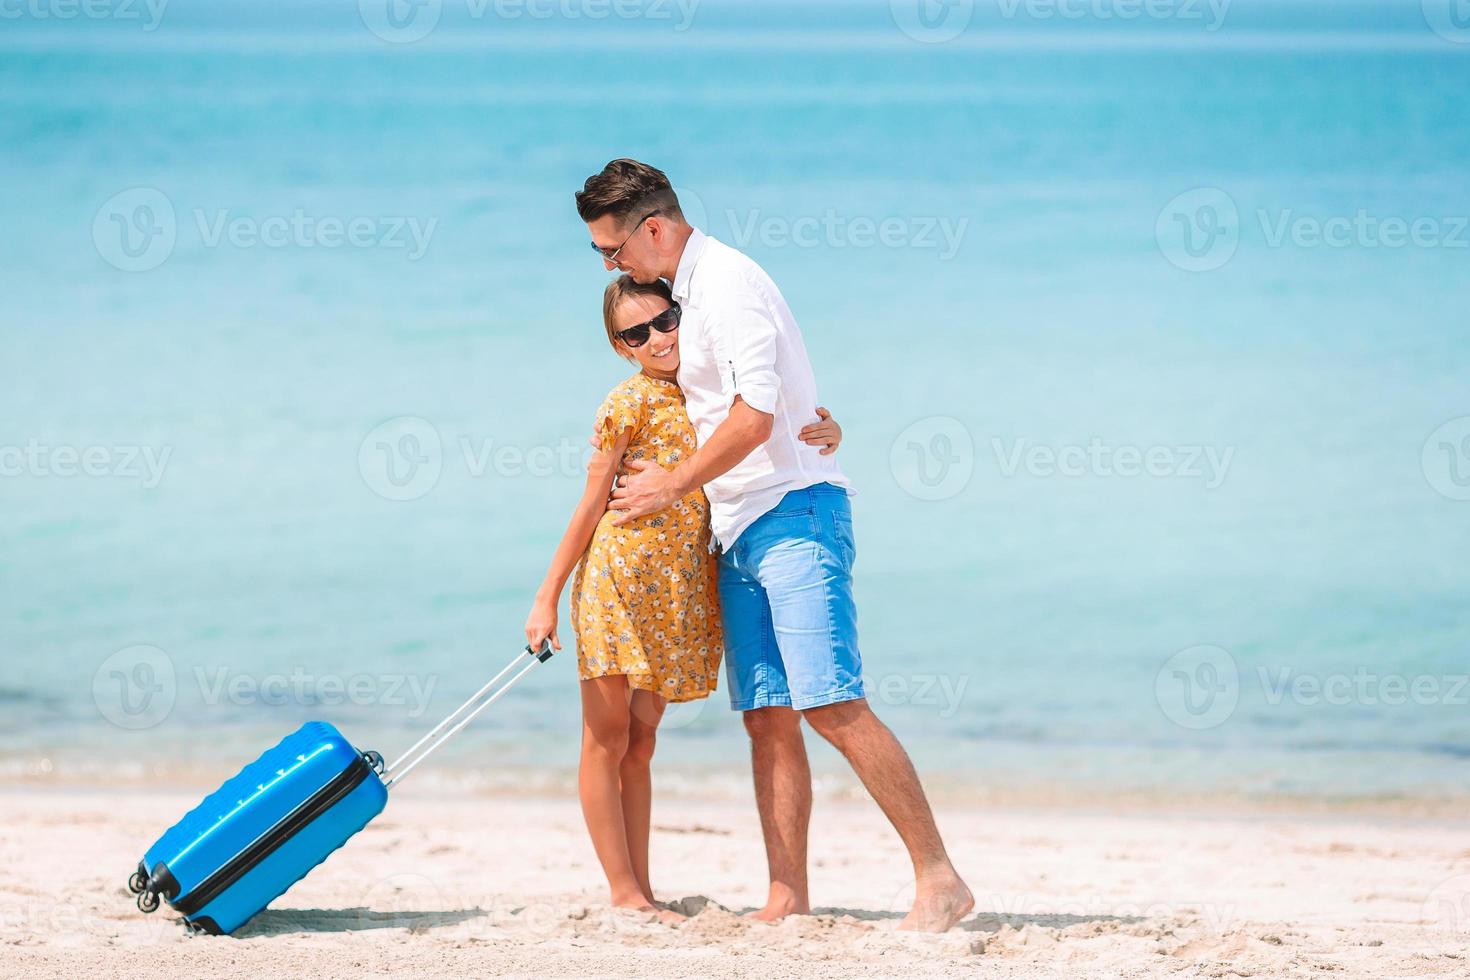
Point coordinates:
[(267, 843)]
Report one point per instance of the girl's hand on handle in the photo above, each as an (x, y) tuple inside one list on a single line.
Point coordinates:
[(541, 625), (826, 433)]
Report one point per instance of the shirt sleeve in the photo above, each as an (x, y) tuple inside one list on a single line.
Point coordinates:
[(750, 346)]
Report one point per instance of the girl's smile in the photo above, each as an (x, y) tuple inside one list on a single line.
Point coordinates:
[(659, 354)]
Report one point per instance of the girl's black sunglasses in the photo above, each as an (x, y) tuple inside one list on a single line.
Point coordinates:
[(666, 322)]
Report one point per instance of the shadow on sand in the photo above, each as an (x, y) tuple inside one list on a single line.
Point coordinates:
[(975, 922), (274, 922)]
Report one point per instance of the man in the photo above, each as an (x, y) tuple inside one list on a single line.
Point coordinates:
[(780, 514)]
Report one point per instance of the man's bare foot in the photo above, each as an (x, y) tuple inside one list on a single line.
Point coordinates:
[(780, 903), (939, 904)]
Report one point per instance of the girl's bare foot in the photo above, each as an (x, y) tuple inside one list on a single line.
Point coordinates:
[(666, 915), (638, 902), (633, 901)]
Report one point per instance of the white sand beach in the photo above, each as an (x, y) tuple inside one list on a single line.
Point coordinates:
[(440, 887)]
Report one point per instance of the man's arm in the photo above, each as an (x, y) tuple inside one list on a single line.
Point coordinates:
[(651, 488)]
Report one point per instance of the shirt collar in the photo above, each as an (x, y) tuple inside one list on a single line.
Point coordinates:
[(693, 248)]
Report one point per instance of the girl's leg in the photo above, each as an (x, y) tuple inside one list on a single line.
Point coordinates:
[(646, 710), (605, 721)]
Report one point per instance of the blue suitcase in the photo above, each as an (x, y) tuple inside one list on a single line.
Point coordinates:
[(282, 815)]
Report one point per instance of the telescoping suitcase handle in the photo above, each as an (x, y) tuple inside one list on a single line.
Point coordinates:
[(465, 713)]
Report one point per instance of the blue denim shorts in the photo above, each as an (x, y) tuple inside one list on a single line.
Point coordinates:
[(786, 598)]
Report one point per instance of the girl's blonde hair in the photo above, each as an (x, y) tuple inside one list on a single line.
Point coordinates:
[(624, 287)]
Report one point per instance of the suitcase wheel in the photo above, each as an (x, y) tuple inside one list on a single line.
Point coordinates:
[(138, 883), (148, 902)]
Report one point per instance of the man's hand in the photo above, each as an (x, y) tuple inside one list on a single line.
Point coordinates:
[(647, 489)]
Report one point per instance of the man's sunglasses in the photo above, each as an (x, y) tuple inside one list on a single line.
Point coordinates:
[(666, 322), (611, 254)]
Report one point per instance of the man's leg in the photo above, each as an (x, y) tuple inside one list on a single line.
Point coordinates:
[(783, 796), (807, 575), (940, 897), (783, 779)]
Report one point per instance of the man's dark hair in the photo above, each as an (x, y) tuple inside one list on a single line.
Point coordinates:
[(624, 187)]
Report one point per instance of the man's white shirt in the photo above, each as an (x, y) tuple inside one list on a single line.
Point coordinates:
[(738, 337)]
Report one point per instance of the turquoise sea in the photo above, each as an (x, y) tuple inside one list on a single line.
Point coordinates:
[(1148, 335)]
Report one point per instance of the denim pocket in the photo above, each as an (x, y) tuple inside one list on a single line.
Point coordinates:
[(846, 540)]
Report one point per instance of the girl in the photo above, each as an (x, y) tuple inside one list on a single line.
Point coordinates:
[(644, 604)]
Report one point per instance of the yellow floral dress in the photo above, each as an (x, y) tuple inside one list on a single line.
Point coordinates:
[(645, 601)]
